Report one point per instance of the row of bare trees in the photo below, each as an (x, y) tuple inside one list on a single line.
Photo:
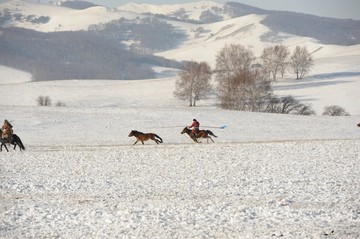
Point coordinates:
[(242, 82), (277, 60)]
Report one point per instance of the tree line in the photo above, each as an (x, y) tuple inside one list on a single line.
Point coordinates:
[(243, 83), (147, 34)]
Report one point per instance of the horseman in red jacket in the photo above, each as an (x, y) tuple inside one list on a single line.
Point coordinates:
[(195, 126)]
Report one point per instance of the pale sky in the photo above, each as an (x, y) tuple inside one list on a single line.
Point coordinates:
[(327, 8)]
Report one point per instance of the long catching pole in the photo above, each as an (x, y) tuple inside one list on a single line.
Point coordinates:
[(201, 126), (215, 127)]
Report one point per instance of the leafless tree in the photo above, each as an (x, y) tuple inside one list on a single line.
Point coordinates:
[(301, 62), (44, 101), (240, 87), (246, 91), (288, 105), (193, 83), (233, 59), (275, 60), (335, 110)]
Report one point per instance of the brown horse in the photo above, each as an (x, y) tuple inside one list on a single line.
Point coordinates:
[(358, 124), (144, 137), (201, 134)]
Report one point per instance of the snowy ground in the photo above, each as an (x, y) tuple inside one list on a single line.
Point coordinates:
[(265, 176), (299, 189)]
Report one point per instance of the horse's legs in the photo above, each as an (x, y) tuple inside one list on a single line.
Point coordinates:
[(211, 139), (193, 137), (136, 142), (142, 142), (4, 146)]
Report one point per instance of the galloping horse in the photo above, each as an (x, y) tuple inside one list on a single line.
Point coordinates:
[(14, 140), (144, 137), (201, 134)]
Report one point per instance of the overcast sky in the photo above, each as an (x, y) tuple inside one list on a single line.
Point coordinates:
[(327, 8)]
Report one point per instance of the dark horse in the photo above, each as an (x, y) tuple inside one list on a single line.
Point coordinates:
[(201, 134), (144, 137), (14, 140)]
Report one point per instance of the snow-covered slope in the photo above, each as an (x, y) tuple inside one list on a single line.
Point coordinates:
[(212, 37), (62, 18), (192, 11)]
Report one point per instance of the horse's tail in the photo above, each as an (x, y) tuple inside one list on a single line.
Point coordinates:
[(211, 133), (157, 136), (18, 141)]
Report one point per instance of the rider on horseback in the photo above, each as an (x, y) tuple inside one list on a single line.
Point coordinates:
[(7, 130), (195, 127)]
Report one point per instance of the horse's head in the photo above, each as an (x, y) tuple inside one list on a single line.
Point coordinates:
[(185, 130), (132, 132)]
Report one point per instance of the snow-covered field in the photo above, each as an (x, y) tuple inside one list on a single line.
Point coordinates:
[(266, 175), (299, 189), (80, 177)]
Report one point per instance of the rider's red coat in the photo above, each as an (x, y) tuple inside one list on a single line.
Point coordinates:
[(195, 126)]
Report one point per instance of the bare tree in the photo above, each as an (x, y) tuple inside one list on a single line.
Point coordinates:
[(275, 60), (301, 62), (233, 59), (247, 91), (288, 105), (193, 83), (335, 110), (44, 101), (240, 87)]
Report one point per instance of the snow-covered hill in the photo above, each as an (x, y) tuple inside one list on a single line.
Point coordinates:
[(186, 11), (61, 18)]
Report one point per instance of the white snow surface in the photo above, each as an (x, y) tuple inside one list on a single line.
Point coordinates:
[(192, 10), (266, 175)]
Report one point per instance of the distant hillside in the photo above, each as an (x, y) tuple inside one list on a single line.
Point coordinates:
[(116, 44), (74, 55), (326, 30), (146, 35), (49, 18), (8, 17)]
